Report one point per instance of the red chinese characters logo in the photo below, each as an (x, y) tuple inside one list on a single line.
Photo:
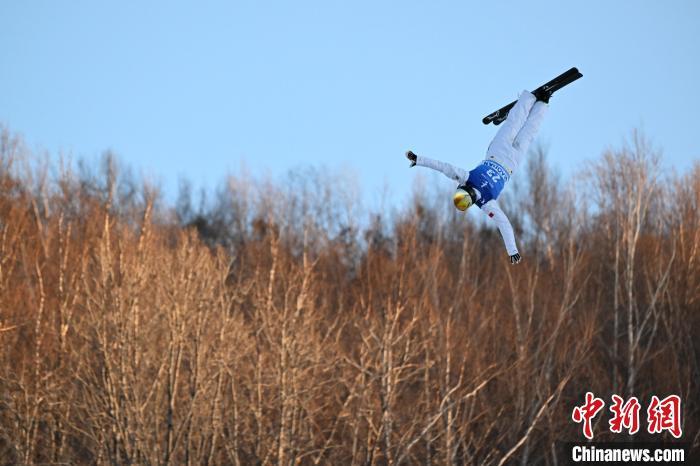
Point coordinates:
[(587, 412), (665, 415), (662, 415)]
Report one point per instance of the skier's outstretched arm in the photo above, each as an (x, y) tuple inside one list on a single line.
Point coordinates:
[(493, 210), (446, 169)]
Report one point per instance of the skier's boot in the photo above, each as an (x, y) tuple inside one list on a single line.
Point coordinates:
[(543, 95)]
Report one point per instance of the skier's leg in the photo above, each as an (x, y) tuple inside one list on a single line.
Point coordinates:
[(516, 119), (529, 130)]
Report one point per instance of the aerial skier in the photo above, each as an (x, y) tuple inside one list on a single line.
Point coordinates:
[(482, 185)]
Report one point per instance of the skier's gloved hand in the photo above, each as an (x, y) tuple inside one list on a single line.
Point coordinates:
[(412, 157), (515, 258)]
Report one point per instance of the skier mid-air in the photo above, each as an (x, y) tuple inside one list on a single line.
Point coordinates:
[(483, 184)]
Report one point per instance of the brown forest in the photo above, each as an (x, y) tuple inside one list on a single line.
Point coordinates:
[(281, 323)]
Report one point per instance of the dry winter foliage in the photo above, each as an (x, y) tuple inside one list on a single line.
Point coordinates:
[(242, 332)]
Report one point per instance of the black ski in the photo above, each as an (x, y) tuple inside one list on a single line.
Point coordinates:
[(555, 84)]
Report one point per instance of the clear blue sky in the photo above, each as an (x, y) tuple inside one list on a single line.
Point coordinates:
[(194, 89)]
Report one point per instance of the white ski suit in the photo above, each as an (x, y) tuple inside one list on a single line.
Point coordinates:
[(507, 150)]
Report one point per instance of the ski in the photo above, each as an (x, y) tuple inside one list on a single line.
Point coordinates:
[(555, 84)]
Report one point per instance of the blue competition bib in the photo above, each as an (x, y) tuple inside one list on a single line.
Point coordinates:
[(489, 178)]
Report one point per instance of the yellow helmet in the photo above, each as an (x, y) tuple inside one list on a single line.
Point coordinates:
[(462, 198)]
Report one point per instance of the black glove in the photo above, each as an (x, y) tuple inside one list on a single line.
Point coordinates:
[(412, 157), (515, 258)]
